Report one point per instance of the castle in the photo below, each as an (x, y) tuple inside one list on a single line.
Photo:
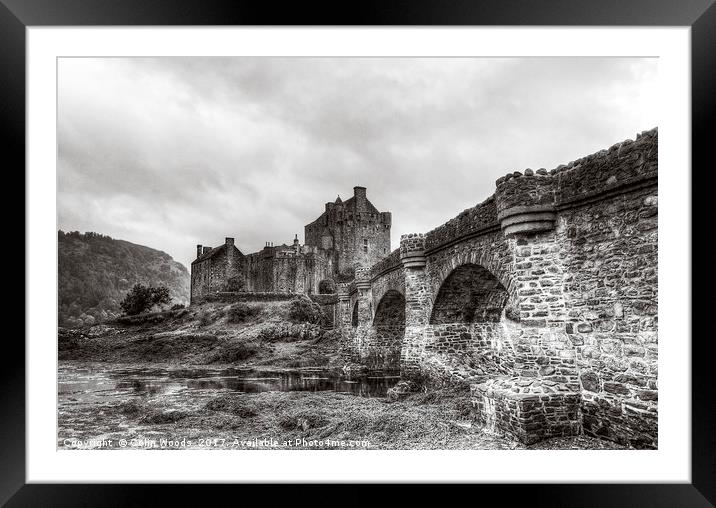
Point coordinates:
[(347, 234), (543, 298)]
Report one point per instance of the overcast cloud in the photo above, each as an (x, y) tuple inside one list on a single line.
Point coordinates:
[(171, 152)]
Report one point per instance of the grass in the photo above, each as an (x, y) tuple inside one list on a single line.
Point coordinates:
[(295, 420), (240, 312), (290, 416)]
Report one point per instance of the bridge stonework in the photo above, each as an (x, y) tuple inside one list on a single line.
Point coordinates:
[(543, 299)]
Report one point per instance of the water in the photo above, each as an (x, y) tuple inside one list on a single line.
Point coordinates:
[(99, 380), (93, 397)]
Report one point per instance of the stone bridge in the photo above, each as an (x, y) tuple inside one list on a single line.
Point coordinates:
[(543, 298)]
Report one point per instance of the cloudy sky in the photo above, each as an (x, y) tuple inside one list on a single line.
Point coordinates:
[(171, 152)]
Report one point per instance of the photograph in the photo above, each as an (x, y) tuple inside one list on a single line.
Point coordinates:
[(357, 253)]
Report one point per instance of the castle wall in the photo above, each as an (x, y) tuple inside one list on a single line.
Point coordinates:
[(218, 273), (260, 272), (281, 271), (363, 241), (200, 279)]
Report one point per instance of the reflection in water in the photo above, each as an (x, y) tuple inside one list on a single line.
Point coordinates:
[(298, 381), (150, 381)]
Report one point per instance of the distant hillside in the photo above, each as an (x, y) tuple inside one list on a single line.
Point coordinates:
[(96, 271)]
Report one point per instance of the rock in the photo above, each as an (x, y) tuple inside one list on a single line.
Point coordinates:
[(576, 340), (616, 388), (590, 381), (547, 370), (618, 310), (648, 394), (401, 390), (584, 328)]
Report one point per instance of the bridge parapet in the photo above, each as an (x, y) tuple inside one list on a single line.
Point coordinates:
[(412, 250), (624, 164), (525, 202), (479, 218), (343, 291), (363, 277), (529, 201), (386, 264)]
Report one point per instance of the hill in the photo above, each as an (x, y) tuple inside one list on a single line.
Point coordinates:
[(96, 271)]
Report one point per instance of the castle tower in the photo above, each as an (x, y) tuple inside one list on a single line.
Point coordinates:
[(354, 231)]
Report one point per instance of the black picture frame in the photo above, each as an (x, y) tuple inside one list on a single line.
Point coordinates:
[(700, 15)]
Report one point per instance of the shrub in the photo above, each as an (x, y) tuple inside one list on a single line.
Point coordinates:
[(142, 298), (233, 352), (177, 306), (240, 312), (326, 287), (305, 310)]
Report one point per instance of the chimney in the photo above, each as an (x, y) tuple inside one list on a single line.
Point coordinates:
[(198, 251), (229, 242), (206, 249), (360, 198)]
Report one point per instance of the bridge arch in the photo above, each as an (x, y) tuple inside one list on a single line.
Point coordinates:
[(390, 311), (490, 252), (466, 321), (469, 294), (388, 331)]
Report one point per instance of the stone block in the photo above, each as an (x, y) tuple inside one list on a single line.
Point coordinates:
[(527, 409)]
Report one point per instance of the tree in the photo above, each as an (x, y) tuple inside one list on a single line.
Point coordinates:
[(142, 298)]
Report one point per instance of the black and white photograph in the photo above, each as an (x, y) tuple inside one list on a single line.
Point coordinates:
[(357, 253)]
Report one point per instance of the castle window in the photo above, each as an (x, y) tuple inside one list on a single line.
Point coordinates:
[(365, 245)]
